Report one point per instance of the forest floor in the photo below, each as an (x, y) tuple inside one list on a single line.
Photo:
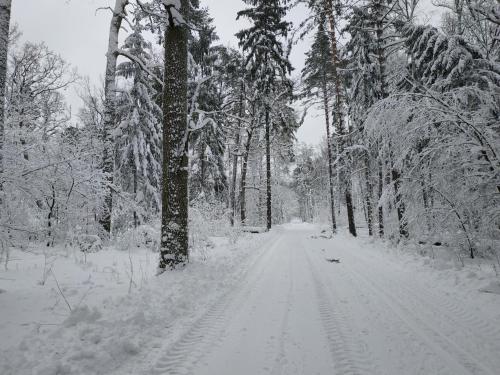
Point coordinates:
[(275, 303)]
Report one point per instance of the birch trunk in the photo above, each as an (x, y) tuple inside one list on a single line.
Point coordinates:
[(174, 250), (119, 13)]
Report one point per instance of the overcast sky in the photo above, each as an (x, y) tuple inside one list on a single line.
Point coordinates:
[(79, 33)]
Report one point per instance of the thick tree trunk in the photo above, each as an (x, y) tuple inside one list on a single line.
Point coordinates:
[(339, 115), (5, 6), (329, 150), (268, 172), (243, 183), (174, 224), (110, 110)]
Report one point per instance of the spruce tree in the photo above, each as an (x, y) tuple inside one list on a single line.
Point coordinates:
[(139, 132), (268, 63), (317, 75)]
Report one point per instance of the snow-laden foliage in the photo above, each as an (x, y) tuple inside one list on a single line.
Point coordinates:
[(138, 136)]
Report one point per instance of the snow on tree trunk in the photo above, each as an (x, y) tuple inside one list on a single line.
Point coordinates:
[(268, 172), (235, 155), (244, 170), (174, 222), (109, 123), (368, 194), (5, 6)]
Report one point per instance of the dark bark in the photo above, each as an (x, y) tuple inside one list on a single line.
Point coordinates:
[(350, 209), (5, 8), (268, 172), (174, 224), (330, 155), (400, 207), (368, 195), (380, 192), (244, 170)]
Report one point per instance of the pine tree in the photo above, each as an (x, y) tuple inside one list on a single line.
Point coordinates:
[(268, 63)]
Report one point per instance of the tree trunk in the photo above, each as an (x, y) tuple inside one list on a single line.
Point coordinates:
[(109, 122), (329, 149), (235, 156), (368, 195), (5, 6), (380, 192), (339, 115), (400, 207), (234, 177), (268, 171), (174, 224), (350, 208), (243, 183)]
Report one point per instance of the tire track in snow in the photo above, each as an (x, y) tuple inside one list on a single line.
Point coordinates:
[(456, 321), (449, 350), (181, 357), (348, 358)]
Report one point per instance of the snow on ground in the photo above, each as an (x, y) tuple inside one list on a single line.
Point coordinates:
[(108, 326), (273, 304)]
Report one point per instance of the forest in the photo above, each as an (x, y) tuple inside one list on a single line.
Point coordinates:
[(187, 140)]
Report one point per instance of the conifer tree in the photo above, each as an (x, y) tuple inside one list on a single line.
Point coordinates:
[(317, 75), (139, 134), (268, 63)]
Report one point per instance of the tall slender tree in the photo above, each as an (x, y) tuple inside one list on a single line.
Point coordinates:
[(5, 6), (317, 75), (119, 13), (340, 125), (268, 63)]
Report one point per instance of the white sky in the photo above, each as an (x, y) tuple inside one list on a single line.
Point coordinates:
[(74, 29)]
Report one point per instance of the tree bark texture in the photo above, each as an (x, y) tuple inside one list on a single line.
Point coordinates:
[(174, 250), (268, 172), (330, 155)]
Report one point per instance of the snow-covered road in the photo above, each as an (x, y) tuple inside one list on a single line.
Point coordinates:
[(296, 313)]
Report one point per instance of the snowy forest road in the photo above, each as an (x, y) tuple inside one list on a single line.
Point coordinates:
[(296, 313)]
